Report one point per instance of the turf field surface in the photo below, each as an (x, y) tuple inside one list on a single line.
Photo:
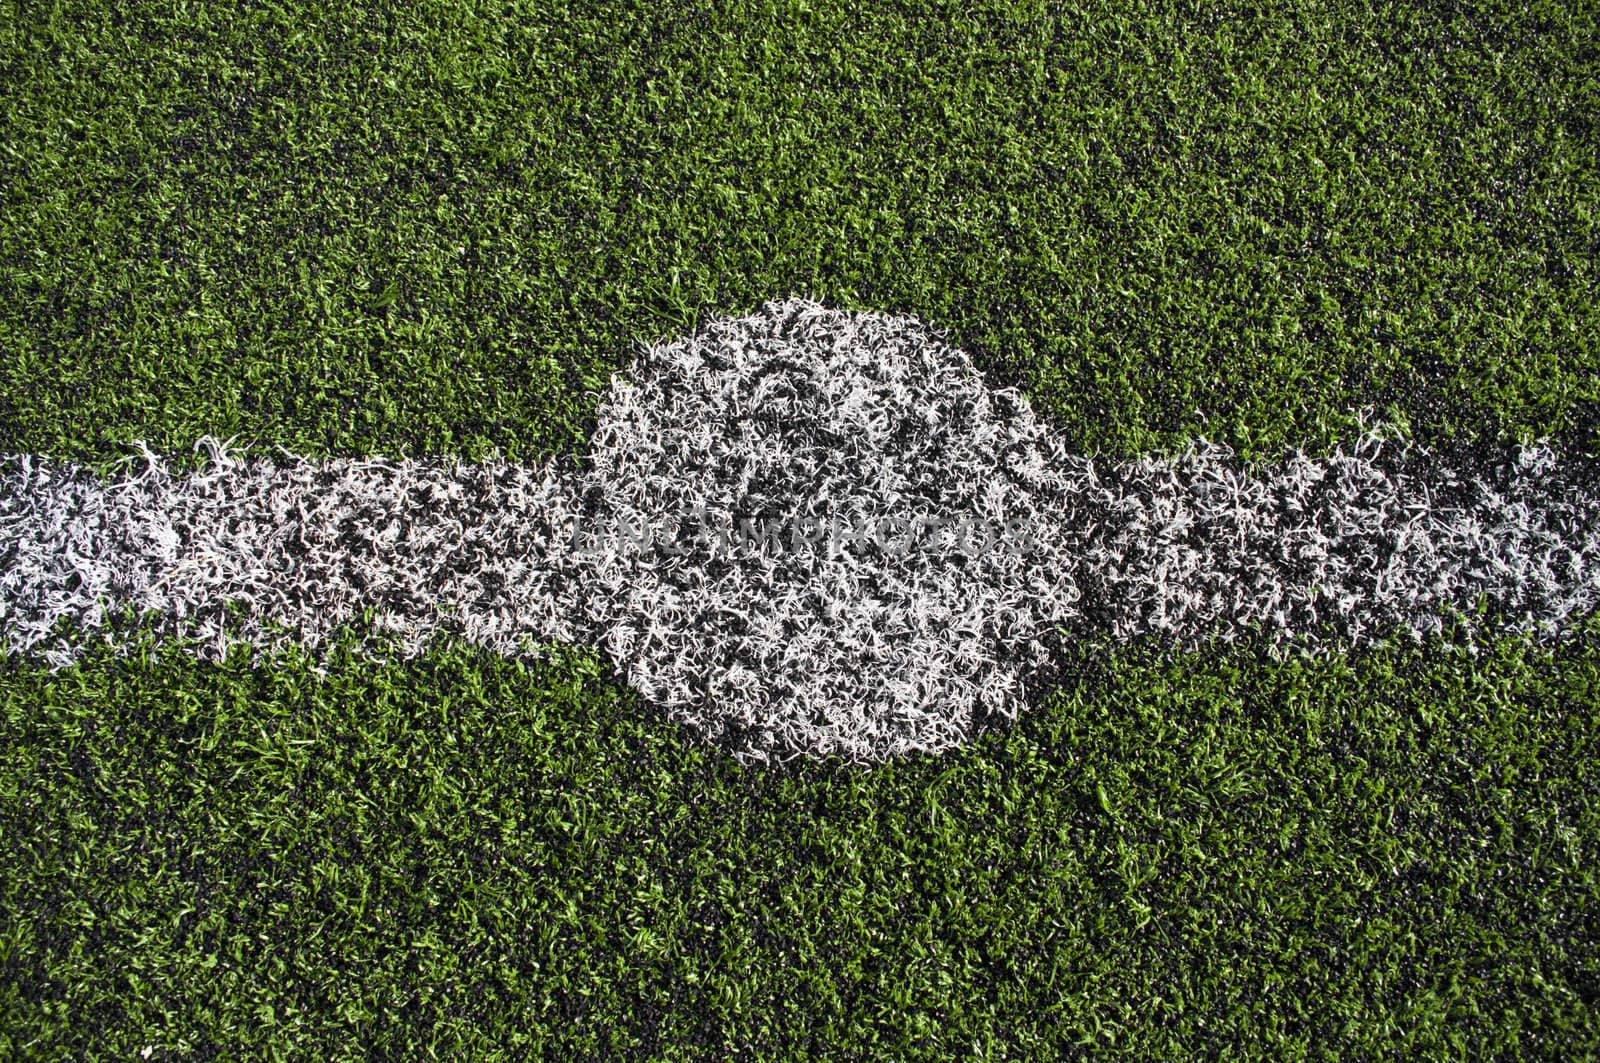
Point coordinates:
[(437, 230)]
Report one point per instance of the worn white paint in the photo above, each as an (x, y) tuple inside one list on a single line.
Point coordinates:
[(859, 651)]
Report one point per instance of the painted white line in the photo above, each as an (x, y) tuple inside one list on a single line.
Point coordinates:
[(811, 430)]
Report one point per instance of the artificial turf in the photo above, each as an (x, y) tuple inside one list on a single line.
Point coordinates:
[(436, 228), (1382, 853)]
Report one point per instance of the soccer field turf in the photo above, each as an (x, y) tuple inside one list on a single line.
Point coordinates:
[(437, 231)]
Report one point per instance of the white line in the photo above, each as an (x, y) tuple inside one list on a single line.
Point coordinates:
[(862, 653)]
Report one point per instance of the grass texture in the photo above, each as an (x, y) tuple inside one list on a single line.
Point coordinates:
[(1377, 854), (437, 228)]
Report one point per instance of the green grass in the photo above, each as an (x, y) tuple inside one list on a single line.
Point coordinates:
[(1380, 852), (436, 230)]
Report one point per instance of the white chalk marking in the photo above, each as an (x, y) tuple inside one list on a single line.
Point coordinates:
[(864, 653)]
